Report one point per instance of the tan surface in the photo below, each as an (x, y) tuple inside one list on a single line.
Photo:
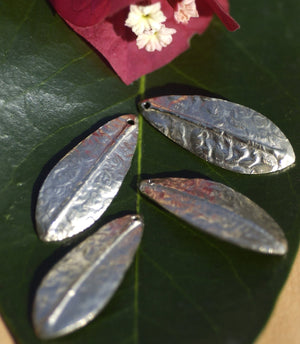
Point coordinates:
[(5, 337), (283, 327)]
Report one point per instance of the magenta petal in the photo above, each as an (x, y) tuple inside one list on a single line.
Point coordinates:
[(87, 12), (102, 24), (117, 43), (220, 7), (82, 12)]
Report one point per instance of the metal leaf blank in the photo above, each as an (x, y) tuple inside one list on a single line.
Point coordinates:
[(79, 286), (226, 134), (82, 185), (218, 210)]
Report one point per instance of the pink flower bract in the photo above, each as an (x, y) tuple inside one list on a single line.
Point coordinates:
[(102, 24)]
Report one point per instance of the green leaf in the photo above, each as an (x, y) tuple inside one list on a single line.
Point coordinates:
[(184, 286)]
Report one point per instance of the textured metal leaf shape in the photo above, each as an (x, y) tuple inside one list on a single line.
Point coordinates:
[(82, 185), (226, 134), (218, 210), (79, 286)]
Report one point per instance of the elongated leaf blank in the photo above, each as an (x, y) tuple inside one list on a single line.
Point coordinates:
[(80, 285), (229, 135), (82, 185), (218, 210)]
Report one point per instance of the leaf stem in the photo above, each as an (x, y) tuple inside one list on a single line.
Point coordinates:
[(142, 89), (138, 201)]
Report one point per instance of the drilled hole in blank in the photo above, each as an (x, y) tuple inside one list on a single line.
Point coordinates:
[(146, 105), (130, 121)]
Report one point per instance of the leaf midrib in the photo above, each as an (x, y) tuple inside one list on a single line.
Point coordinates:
[(141, 93)]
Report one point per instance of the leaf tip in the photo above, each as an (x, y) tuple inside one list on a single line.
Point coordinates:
[(279, 247)]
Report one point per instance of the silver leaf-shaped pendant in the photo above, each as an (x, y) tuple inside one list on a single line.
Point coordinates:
[(82, 185), (79, 286), (218, 210), (229, 135)]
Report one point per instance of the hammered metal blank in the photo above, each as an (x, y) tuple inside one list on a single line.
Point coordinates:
[(229, 135), (218, 210), (82, 185), (79, 286)]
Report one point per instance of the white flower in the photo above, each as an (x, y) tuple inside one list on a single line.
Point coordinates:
[(153, 40), (145, 18), (186, 9)]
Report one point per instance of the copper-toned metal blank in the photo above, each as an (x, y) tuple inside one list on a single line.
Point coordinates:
[(79, 286), (218, 210), (82, 185)]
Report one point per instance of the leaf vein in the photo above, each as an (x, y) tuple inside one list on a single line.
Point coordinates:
[(55, 133), (19, 26), (186, 296), (51, 76), (188, 77), (202, 237)]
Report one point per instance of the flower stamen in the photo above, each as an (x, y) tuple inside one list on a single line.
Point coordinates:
[(145, 18), (185, 10), (155, 40)]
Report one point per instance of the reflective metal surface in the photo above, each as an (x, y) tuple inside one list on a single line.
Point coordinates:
[(82, 185), (218, 210), (226, 134), (79, 286)]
